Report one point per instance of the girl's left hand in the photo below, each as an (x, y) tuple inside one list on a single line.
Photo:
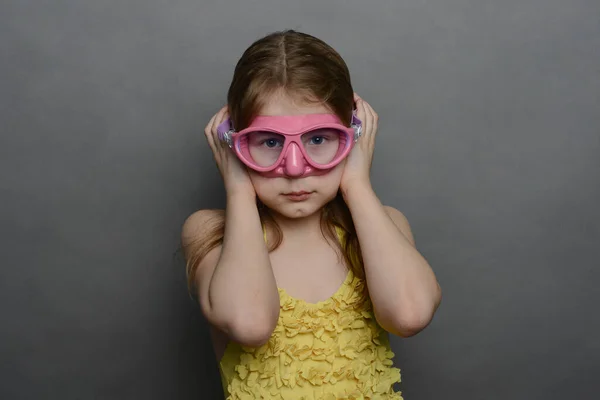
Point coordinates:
[(358, 163)]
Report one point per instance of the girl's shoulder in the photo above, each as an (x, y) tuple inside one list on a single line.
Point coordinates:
[(201, 223), (401, 222)]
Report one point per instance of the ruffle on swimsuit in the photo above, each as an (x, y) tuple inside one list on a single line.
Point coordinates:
[(329, 350)]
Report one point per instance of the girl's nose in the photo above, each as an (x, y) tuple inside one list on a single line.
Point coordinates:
[(294, 161)]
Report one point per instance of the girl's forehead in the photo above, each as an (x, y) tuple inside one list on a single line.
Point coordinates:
[(295, 122), (284, 104)]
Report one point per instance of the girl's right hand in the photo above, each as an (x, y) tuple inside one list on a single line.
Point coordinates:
[(232, 170)]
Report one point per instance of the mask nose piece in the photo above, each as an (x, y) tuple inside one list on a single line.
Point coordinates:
[(294, 161)]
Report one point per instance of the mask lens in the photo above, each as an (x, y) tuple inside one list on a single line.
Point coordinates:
[(323, 145), (264, 148)]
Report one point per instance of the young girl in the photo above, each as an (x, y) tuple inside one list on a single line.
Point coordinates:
[(305, 272)]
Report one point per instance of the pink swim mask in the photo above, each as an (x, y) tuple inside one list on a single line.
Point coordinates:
[(292, 145)]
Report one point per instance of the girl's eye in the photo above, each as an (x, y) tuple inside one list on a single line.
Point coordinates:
[(271, 142), (317, 139)]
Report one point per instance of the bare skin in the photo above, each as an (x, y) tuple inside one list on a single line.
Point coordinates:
[(312, 276), (238, 285)]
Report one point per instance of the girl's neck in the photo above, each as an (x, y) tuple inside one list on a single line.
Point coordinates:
[(299, 227)]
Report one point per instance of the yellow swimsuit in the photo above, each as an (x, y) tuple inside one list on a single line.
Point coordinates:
[(329, 350)]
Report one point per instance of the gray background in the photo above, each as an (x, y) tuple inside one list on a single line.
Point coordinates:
[(489, 143)]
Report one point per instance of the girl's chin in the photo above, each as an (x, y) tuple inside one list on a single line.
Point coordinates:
[(293, 210)]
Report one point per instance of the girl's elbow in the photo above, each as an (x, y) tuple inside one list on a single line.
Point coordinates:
[(406, 323), (405, 328), (409, 327), (407, 318), (253, 330)]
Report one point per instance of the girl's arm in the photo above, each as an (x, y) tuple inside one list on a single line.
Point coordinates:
[(402, 285), (236, 286), (235, 282)]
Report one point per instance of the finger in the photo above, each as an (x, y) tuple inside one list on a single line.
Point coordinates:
[(361, 113), (371, 111), (216, 144), (356, 100), (208, 133), (220, 117), (373, 120), (368, 118), (208, 127), (211, 131)]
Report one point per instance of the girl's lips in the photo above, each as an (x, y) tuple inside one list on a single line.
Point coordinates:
[(297, 196)]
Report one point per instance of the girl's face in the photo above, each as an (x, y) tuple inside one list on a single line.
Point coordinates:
[(294, 197)]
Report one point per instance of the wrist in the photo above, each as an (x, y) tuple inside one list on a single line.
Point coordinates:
[(241, 193), (357, 187)]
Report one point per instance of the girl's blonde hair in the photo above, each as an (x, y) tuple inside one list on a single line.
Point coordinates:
[(300, 65)]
